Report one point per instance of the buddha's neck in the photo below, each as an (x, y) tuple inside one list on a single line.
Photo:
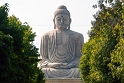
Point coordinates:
[(61, 30)]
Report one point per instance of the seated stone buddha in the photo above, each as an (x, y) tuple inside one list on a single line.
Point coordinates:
[(60, 48)]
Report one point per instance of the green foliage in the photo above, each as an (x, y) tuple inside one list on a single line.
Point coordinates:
[(3, 15), (103, 54), (6, 51), (19, 56)]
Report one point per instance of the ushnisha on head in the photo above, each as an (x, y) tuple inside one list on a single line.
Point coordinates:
[(63, 11)]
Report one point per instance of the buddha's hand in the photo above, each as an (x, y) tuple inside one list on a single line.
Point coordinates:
[(60, 65), (54, 65), (67, 66)]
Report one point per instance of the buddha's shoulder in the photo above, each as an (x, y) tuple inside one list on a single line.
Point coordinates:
[(49, 33), (76, 34)]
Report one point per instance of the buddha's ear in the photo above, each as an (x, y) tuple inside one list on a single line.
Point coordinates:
[(53, 20), (70, 20), (54, 23)]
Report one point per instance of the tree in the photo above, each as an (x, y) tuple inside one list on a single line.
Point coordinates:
[(17, 51), (6, 51), (102, 60)]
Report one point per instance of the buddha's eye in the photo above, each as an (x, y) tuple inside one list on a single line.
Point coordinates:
[(58, 19)]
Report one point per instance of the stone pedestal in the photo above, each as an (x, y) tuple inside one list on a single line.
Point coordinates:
[(63, 80)]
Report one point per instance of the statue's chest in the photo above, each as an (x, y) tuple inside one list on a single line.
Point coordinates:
[(62, 39), (62, 43)]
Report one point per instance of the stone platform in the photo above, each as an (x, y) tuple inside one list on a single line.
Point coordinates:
[(63, 80)]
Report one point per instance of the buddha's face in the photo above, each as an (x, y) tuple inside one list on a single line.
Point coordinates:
[(62, 21)]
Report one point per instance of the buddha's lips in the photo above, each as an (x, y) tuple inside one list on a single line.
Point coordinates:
[(62, 25)]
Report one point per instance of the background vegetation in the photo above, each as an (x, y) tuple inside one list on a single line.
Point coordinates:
[(18, 55), (103, 54)]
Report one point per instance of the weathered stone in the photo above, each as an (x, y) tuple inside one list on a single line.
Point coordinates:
[(64, 80), (60, 48)]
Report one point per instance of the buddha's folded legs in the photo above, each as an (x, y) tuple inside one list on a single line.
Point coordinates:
[(61, 73)]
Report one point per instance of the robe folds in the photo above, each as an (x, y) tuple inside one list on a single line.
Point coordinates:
[(63, 47)]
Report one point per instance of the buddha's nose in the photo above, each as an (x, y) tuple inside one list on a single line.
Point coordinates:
[(62, 20)]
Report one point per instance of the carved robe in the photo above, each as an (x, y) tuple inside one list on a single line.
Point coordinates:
[(61, 47)]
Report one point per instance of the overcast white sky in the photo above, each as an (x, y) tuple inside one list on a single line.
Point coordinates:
[(39, 14)]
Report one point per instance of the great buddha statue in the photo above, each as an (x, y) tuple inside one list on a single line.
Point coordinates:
[(60, 48)]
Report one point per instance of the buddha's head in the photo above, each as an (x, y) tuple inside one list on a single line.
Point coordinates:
[(62, 18)]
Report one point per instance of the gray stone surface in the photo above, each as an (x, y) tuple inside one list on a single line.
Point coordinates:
[(60, 48), (62, 80)]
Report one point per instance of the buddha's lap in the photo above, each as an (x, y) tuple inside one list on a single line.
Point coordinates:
[(69, 73)]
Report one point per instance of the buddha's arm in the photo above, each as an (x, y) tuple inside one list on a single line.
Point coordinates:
[(79, 45), (44, 51)]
